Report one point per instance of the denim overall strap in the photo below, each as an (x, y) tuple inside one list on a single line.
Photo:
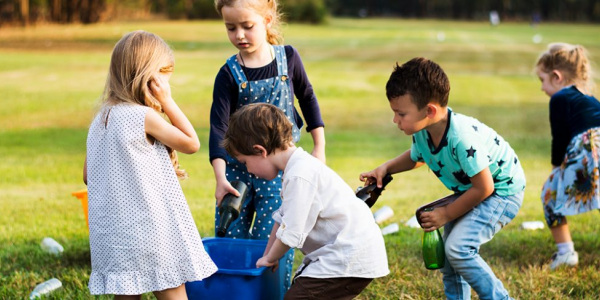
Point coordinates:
[(237, 72), (282, 66), (285, 98), (275, 90)]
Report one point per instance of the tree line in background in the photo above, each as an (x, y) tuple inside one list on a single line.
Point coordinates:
[(26, 12)]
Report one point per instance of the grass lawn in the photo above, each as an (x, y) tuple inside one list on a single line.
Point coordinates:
[(51, 77)]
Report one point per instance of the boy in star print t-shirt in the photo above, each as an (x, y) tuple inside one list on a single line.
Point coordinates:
[(470, 159)]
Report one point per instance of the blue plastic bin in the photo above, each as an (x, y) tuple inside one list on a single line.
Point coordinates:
[(238, 277)]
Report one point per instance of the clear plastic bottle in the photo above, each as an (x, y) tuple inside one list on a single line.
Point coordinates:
[(44, 288), (382, 214), (51, 246), (392, 228)]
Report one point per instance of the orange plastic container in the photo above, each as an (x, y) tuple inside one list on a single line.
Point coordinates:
[(82, 195)]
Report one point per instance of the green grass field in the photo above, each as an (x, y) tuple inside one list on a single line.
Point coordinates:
[(51, 77)]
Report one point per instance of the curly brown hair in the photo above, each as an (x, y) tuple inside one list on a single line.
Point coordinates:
[(257, 124)]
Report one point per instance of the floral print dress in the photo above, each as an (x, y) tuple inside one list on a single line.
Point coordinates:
[(573, 187)]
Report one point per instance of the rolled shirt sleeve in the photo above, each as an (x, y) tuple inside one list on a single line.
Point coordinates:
[(302, 213)]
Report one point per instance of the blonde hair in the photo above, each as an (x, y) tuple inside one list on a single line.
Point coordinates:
[(265, 8), (261, 124), (572, 61), (136, 57)]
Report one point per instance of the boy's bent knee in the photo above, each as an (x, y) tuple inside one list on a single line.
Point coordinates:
[(455, 252)]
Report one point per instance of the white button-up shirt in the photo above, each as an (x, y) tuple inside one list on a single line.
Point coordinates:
[(321, 215)]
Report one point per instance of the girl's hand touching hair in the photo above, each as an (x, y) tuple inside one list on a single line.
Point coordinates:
[(160, 88), (179, 135)]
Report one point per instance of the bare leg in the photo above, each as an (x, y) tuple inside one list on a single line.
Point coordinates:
[(128, 297), (561, 233), (566, 254), (177, 293)]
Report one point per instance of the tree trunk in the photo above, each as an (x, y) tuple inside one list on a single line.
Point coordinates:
[(25, 12), (90, 11), (56, 10)]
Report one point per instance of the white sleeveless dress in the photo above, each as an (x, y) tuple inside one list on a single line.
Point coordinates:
[(142, 235)]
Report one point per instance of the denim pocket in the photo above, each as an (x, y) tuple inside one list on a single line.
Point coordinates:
[(505, 212)]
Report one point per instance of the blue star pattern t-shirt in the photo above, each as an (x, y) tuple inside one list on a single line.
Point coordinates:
[(467, 147)]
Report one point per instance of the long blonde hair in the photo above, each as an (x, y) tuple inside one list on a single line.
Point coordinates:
[(265, 8), (136, 57), (572, 61)]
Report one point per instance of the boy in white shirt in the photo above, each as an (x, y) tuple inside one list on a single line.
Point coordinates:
[(320, 214)]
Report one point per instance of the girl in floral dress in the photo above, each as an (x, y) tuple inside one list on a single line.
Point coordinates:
[(573, 185)]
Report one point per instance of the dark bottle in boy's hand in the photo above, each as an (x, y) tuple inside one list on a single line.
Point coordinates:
[(433, 249), (371, 192), (230, 207)]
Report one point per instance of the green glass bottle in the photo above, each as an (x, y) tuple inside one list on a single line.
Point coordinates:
[(230, 207), (433, 250)]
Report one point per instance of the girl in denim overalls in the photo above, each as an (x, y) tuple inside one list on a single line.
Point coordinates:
[(262, 71)]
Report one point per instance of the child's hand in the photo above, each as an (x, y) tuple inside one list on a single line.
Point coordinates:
[(223, 188), (374, 176), (432, 220), (264, 262), (160, 88)]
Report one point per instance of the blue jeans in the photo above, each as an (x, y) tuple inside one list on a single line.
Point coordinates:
[(464, 267)]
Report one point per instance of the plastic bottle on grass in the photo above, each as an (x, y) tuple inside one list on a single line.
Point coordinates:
[(392, 228), (51, 246), (45, 288), (382, 214)]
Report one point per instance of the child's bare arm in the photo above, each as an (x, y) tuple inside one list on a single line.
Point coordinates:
[(272, 238), (169, 134), (483, 187), (276, 250), (318, 136), (224, 187), (401, 163), (180, 134), (85, 171)]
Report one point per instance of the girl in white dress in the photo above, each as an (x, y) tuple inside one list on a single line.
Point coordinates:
[(142, 235)]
